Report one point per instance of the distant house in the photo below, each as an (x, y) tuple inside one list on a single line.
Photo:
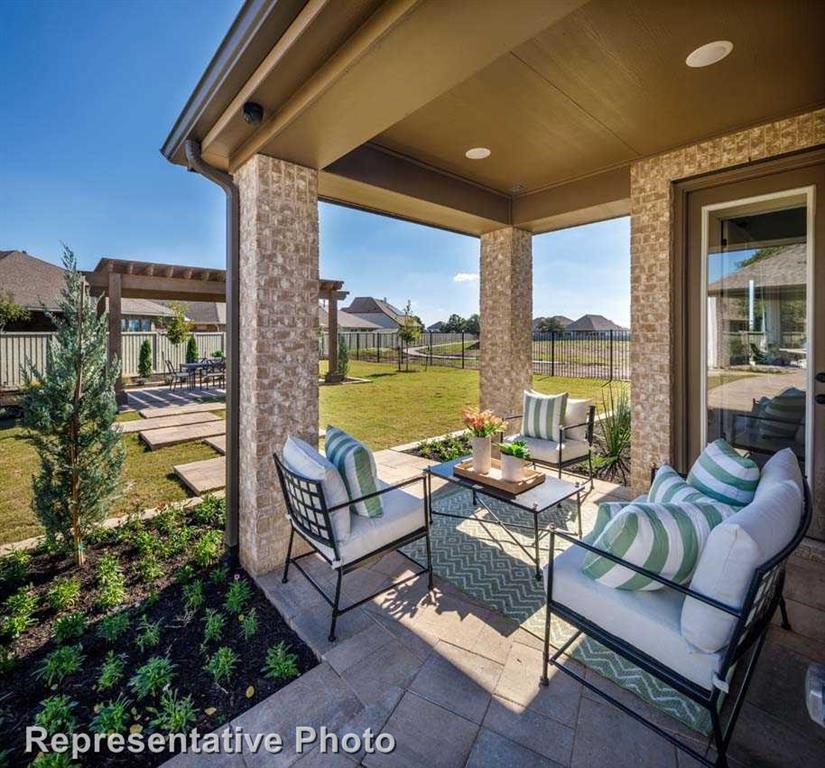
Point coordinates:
[(377, 311), (594, 323), (348, 323), (560, 319), (36, 286), (205, 316), (437, 327)]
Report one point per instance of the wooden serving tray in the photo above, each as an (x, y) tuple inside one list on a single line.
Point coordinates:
[(532, 477)]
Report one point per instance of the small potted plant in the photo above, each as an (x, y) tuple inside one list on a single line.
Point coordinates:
[(482, 425), (513, 457)]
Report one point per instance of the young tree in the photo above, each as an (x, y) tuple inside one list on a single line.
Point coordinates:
[(10, 310), (549, 325), (408, 332), (69, 410), (343, 356), (454, 324), (192, 350), (145, 360), (178, 329)]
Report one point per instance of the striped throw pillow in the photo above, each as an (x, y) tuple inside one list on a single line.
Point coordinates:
[(606, 512), (543, 415), (669, 486), (355, 462), (782, 415), (723, 474), (666, 539)]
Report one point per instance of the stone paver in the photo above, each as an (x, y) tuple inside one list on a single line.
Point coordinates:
[(161, 438), (144, 425), (175, 410), (492, 750), (203, 476)]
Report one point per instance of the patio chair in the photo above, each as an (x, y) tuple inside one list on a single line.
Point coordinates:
[(176, 378), (574, 444), (405, 519), (214, 374), (689, 637)]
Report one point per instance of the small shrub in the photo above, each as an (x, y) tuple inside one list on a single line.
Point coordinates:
[(60, 663), (14, 568), (213, 626), (184, 574), (152, 677), (168, 519), (145, 360), (446, 448), (113, 626), (207, 549), (221, 664), (149, 569), (111, 582), (178, 540), (193, 597), (148, 634), (111, 717), (280, 664), (63, 594), (56, 715), (147, 543), (237, 596), (69, 627), (174, 715), (54, 760), (19, 609), (249, 625), (210, 512), (191, 350), (111, 671), (219, 575), (8, 661)]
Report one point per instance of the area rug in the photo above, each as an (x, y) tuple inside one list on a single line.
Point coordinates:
[(482, 561)]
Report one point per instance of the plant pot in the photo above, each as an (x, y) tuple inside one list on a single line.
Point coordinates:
[(512, 468), (482, 453)]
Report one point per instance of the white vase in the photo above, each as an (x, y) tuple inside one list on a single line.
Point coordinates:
[(512, 468), (482, 451)]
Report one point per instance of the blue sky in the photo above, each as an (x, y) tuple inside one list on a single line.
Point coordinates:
[(88, 91)]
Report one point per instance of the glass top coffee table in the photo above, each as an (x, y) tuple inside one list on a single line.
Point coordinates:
[(536, 501)]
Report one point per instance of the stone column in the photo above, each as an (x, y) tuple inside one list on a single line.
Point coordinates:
[(332, 377), (115, 338), (506, 319), (278, 342)]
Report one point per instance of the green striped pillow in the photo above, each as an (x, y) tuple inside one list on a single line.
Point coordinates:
[(723, 474), (664, 538), (782, 415), (606, 512), (356, 465), (543, 415)]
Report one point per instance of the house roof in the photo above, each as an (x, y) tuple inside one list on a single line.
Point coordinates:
[(784, 268), (368, 305), (347, 320), (35, 284), (437, 326), (560, 319), (204, 312), (593, 323)]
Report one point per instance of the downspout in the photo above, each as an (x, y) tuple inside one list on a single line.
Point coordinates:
[(196, 163)]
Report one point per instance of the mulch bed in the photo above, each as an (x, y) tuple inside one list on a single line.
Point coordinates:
[(21, 692)]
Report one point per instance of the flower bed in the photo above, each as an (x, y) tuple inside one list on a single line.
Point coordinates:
[(155, 634)]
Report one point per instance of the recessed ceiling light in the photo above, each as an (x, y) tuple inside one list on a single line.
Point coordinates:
[(477, 153), (709, 53)]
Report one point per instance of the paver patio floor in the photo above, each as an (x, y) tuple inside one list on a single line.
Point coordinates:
[(456, 684)]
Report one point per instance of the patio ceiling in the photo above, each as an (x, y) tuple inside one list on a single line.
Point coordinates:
[(385, 97)]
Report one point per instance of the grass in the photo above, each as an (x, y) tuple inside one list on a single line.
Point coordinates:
[(402, 407), (149, 479)]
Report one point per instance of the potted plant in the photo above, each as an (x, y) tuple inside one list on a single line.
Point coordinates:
[(482, 425), (513, 457)]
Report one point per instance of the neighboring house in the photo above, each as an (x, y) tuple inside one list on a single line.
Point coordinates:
[(348, 323), (437, 327), (594, 323), (378, 311), (36, 286), (560, 319), (205, 316)]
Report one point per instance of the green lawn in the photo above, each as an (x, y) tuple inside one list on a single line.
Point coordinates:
[(401, 407), (149, 480)]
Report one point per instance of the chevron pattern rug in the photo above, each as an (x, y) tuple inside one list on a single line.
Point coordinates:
[(481, 560)]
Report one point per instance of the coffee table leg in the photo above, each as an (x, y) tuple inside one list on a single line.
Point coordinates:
[(536, 541), (579, 510)]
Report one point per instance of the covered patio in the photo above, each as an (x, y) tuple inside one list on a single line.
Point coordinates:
[(546, 115)]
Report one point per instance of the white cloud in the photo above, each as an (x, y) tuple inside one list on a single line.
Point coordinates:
[(465, 277)]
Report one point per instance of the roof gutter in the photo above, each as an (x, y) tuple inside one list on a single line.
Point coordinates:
[(195, 163)]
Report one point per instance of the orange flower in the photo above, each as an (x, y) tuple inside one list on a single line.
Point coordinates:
[(481, 423)]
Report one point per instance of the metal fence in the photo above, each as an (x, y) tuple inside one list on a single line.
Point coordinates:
[(576, 354), (16, 349)]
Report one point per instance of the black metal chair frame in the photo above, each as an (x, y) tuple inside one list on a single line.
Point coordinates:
[(763, 597), (311, 519), (175, 377), (563, 463), (752, 417)]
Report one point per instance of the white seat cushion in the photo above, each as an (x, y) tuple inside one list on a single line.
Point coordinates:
[(403, 513), (648, 621), (736, 547), (303, 459), (548, 450)]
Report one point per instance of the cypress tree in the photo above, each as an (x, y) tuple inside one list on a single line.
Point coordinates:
[(70, 410), (145, 360)]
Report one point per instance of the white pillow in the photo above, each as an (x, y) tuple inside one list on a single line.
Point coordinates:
[(577, 412), (543, 415), (738, 546), (302, 458)]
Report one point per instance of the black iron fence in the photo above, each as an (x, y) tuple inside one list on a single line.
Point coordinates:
[(576, 354)]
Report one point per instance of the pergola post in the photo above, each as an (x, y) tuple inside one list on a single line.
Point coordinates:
[(114, 293), (332, 375), (506, 319), (278, 342)]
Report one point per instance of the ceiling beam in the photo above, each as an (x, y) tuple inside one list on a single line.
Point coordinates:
[(428, 45)]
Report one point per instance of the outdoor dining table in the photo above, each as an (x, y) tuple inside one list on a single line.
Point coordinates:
[(536, 501), (197, 368)]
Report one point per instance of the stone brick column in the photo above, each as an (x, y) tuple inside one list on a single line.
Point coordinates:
[(278, 347), (506, 319)]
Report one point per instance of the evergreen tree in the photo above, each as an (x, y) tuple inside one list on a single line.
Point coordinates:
[(69, 410), (343, 357), (145, 360), (192, 350)]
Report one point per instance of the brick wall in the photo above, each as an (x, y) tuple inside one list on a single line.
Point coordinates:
[(651, 267)]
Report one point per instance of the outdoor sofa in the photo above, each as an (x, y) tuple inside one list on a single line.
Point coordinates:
[(693, 638)]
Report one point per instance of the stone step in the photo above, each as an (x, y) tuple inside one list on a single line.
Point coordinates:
[(203, 476), (175, 410), (161, 438), (218, 443), (160, 422)]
